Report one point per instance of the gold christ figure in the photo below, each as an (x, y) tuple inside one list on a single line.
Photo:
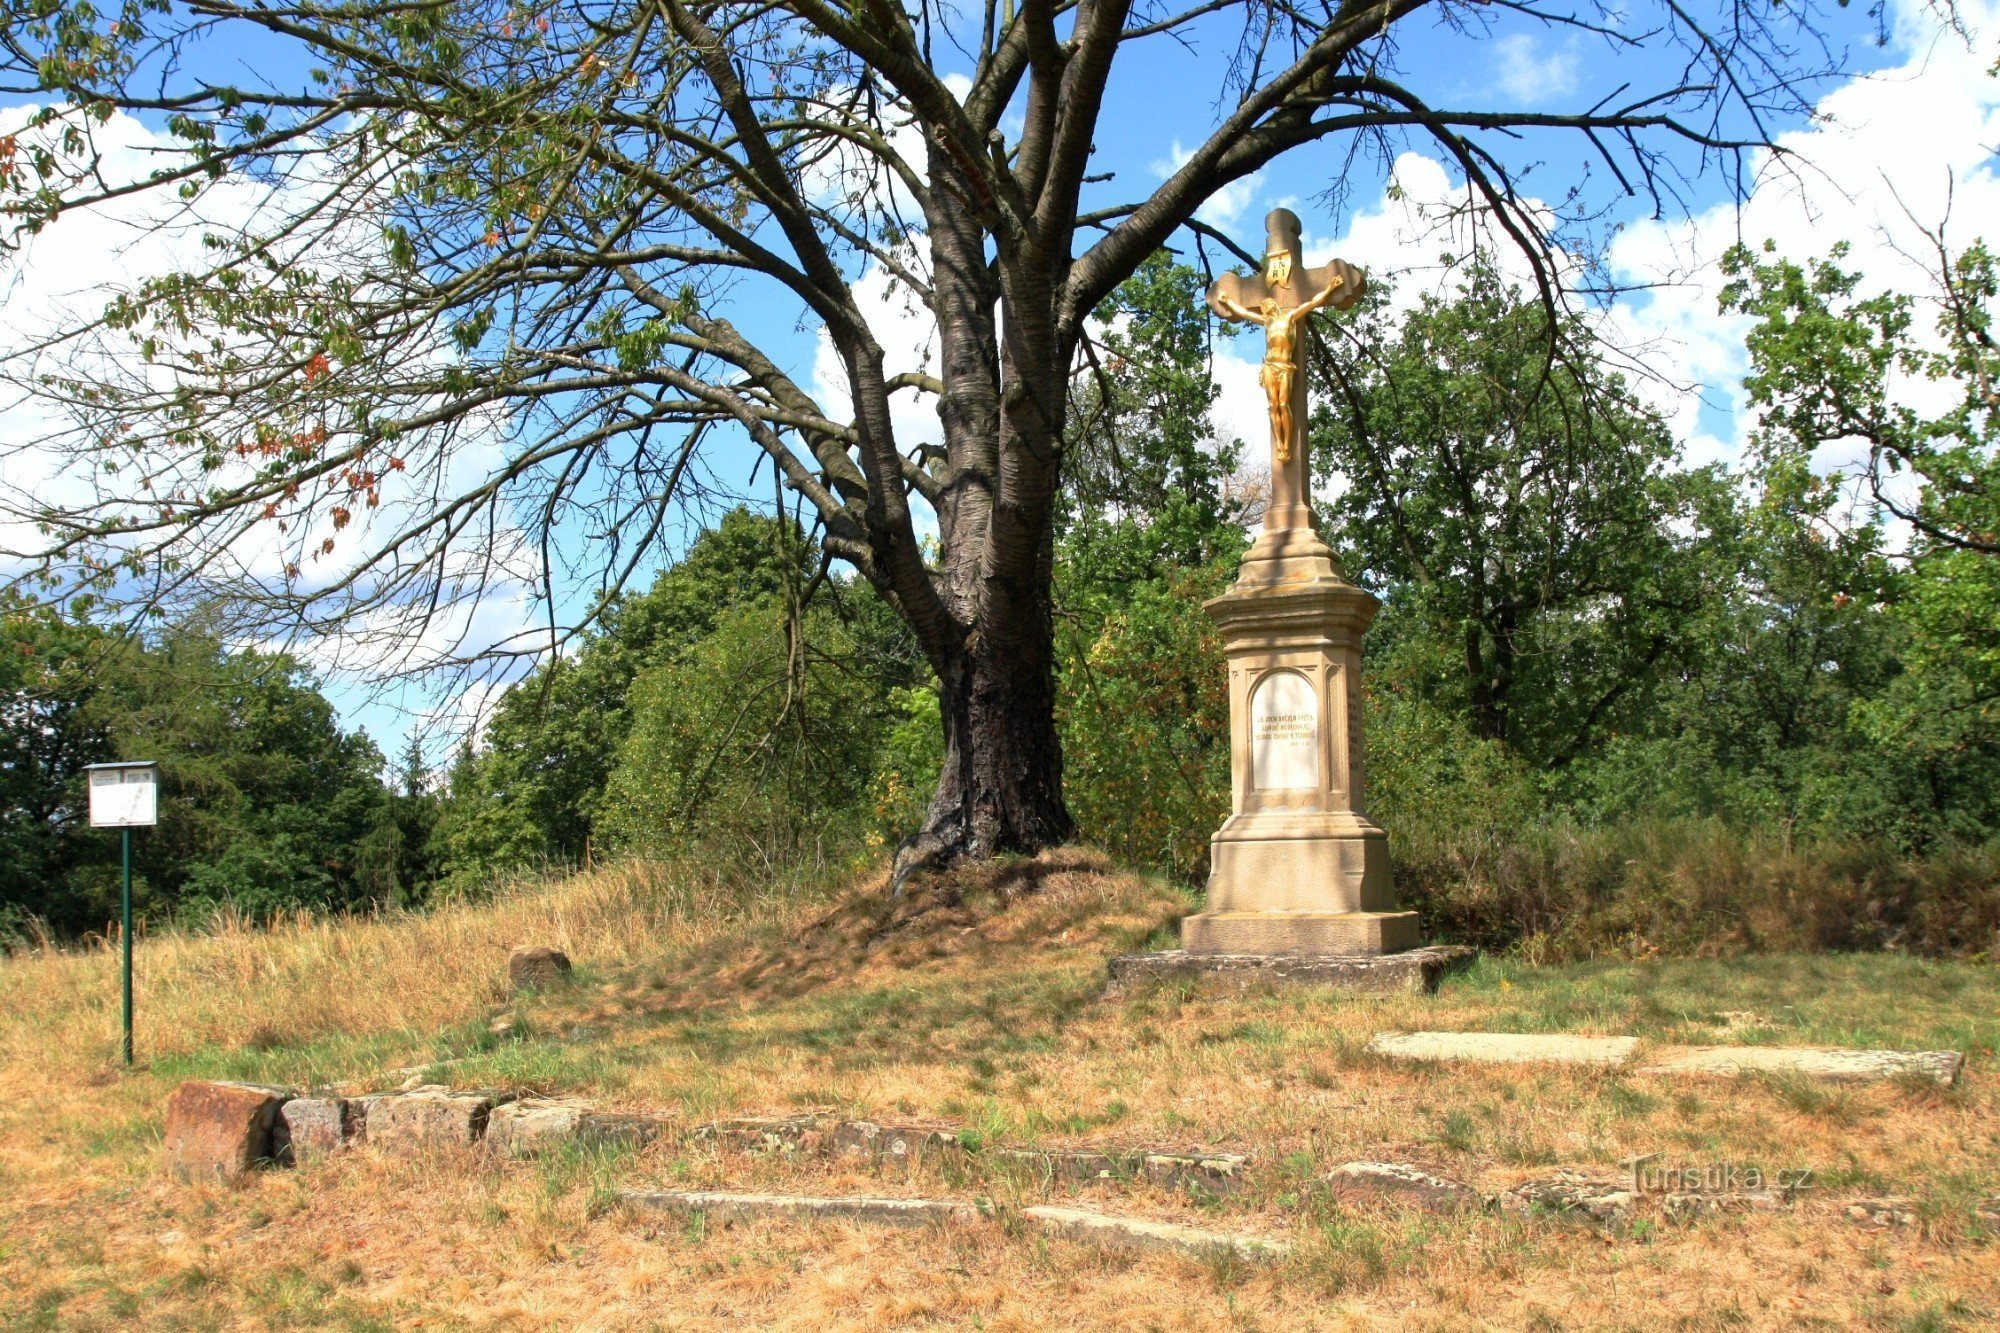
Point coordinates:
[(1282, 299)]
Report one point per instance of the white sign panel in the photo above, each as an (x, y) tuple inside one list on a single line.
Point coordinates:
[(124, 797), (1284, 733)]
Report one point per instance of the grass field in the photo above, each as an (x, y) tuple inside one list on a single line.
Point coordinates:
[(975, 1004)]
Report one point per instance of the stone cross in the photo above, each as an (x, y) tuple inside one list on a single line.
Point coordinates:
[(1282, 298)]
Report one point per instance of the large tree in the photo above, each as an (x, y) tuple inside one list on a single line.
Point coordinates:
[(504, 266)]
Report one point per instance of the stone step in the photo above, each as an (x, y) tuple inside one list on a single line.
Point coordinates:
[(1507, 1048), (1831, 1065), (1082, 1225), (722, 1206), (1140, 1236)]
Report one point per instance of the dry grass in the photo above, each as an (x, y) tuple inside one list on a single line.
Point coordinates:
[(972, 1001)]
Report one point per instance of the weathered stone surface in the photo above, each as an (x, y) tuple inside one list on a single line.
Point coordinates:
[(1219, 1173), (416, 1121), (525, 1128), (1569, 1195), (1399, 1183), (1838, 1066), (1504, 1048), (1415, 970), (802, 1135), (537, 966), (1687, 1206), (719, 1206), (312, 1127), (219, 1131), (1134, 1234), (1078, 1166), (869, 1141), (1892, 1211)]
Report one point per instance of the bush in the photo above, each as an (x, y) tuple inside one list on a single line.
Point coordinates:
[(1560, 891)]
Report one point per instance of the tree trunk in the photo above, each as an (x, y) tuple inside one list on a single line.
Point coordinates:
[(1000, 788), (1001, 408)]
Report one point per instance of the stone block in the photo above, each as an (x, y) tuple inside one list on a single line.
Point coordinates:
[(1075, 1167), (1416, 970), (414, 1122), (1218, 1173), (1509, 1048), (537, 967), (312, 1127), (1686, 1206), (718, 1206), (1834, 1066), (219, 1131), (1572, 1197), (1893, 1211), (531, 1127), (1395, 1182), (868, 1141), (1311, 934), (1140, 1236), (794, 1135)]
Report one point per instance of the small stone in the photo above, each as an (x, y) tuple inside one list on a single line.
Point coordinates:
[(219, 1131), (417, 1121), (1892, 1211), (1398, 1183), (537, 967), (525, 1128), (1136, 1234), (1570, 1195), (312, 1127)]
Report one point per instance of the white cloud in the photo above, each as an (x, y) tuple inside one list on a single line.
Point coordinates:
[(67, 274), (1527, 70), (1890, 155), (1227, 206)]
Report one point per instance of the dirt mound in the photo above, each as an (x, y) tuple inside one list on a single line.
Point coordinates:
[(1070, 898)]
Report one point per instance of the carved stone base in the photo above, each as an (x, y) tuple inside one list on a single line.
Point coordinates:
[(1299, 861), (1415, 970), (1343, 934)]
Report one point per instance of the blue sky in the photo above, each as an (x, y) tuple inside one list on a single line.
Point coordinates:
[(1907, 127)]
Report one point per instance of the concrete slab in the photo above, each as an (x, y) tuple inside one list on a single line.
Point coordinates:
[(1137, 1235), (721, 1206), (1416, 970), (1507, 1048), (1838, 1066)]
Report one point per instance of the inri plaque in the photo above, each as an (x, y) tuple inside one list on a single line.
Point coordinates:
[(1284, 733)]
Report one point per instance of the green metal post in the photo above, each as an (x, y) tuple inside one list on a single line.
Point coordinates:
[(125, 942)]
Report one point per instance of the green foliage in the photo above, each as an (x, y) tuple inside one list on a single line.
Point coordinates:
[(1521, 514), (266, 805), (1829, 371), (761, 739), (1150, 531), (1145, 718), (710, 707)]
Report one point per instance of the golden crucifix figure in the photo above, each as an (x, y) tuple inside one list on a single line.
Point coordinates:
[(1282, 298)]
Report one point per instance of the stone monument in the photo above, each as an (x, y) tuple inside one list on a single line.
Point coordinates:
[(1299, 884)]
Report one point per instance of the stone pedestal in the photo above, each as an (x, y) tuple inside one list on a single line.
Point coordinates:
[(1298, 868)]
